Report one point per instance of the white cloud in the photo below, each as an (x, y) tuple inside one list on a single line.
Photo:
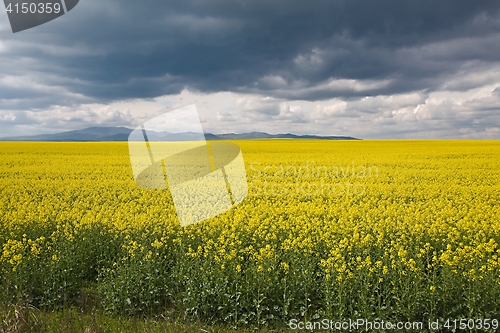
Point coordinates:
[(311, 61), (471, 114)]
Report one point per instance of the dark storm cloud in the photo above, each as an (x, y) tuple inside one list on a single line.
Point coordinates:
[(110, 50)]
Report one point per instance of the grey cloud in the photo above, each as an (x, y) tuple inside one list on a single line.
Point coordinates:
[(241, 46), (379, 61)]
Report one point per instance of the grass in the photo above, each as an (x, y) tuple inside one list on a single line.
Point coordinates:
[(24, 318)]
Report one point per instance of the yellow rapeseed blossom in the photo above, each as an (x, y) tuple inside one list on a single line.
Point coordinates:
[(335, 214)]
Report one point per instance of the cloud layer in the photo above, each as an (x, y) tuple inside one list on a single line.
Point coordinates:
[(384, 69)]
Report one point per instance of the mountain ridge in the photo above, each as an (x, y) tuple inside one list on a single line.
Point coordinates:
[(117, 134)]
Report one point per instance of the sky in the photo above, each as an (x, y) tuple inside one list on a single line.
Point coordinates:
[(385, 69)]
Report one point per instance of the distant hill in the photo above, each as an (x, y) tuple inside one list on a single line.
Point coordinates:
[(262, 135), (122, 133), (87, 134)]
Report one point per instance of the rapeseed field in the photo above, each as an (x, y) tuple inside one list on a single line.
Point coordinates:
[(382, 230)]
